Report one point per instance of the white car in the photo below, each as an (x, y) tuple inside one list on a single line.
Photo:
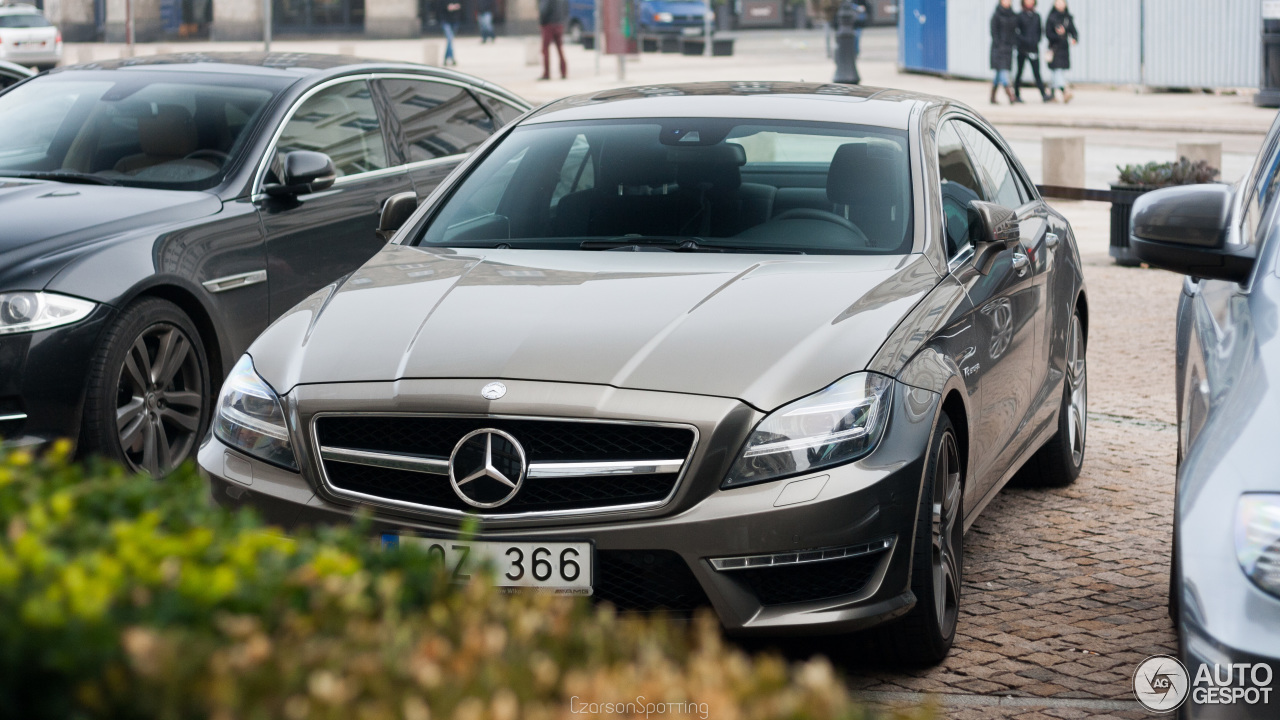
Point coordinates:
[(28, 38)]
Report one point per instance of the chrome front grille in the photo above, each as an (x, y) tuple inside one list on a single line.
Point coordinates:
[(574, 466)]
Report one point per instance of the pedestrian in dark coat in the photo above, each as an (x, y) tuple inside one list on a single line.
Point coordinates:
[(1004, 28), (484, 16), (1029, 33), (552, 15), (1060, 31), (449, 13)]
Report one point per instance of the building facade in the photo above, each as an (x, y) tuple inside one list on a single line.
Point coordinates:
[(156, 20)]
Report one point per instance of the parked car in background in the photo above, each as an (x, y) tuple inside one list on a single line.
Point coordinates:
[(11, 74), (655, 17), (160, 212), (28, 38), (1224, 590), (769, 347)]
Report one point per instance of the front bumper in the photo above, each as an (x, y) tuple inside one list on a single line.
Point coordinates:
[(871, 500), (1228, 693), (43, 376)]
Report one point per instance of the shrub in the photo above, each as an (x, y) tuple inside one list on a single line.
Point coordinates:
[(1155, 175), (125, 597)]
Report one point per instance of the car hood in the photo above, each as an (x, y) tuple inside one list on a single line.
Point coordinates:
[(765, 329), (42, 220)]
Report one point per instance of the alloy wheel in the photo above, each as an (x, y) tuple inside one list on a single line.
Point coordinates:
[(947, 529), (159, 400), (1078, 400)]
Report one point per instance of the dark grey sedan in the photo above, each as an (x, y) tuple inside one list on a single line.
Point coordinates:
[(1225, 576), (767, 347)]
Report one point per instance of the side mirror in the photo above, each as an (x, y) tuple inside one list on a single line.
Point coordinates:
[(395, 211), (1185, 229), (994, 229), (302, 172)]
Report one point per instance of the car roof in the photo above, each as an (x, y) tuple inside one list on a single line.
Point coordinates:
[(821, 102), (20, 9), (278, 64)]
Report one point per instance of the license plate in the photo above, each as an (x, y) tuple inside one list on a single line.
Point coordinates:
[(692, 31), (562, 568)]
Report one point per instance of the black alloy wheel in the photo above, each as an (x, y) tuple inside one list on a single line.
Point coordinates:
[(149, 390), (1059, 462), (926, 633)]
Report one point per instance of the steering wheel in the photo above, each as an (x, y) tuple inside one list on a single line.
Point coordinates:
[(220, 156), (824, 216)]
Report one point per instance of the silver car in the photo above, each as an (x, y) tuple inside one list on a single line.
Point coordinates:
[(767, 347)]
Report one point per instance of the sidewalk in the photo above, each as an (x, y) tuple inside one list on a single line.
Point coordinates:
[(792, 56)]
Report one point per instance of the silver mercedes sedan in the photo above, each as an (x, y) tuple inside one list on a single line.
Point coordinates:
[(765, 347)]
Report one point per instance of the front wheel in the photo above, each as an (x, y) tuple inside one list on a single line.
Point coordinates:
[(148, 395), (925, 634)]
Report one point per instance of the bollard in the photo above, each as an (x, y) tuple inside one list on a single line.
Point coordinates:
[(1062, 160), (847, 20), (84, 54), (347, 49), (1209, 152), (532, 51), (431, 52)]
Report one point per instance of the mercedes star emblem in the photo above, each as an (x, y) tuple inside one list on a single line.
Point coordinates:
[(487, 468), (493, 391)]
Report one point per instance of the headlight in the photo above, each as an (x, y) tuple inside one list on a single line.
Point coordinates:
[(840, 423), (30, 311), (1258, 539), (250, 418), (662, 17)]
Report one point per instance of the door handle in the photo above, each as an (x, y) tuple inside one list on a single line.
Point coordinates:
[(1020, 263), (1051, 240)]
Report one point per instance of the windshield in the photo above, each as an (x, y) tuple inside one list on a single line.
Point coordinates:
[(709, 185), (119, 128)]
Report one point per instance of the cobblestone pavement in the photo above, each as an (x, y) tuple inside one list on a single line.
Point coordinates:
[(1065, 590)]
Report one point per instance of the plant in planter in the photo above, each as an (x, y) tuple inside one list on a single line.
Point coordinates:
[(1138, 179)]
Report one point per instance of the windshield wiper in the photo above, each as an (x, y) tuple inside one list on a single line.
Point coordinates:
[(69, 177), (674, 243)]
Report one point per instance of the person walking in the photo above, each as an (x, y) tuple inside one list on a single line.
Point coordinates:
[(1030, 31), (484, 16), (449, 13), (551, 16), (1004, 28), (1060, 31)]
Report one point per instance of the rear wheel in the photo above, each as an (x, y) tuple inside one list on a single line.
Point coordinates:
[(925, 634), (148, 393), (1058, 463)]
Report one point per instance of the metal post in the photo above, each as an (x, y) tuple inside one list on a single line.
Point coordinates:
[(622, 67), (846, 47), (128, 26), (706, 30), (266, 25), (599, 43)]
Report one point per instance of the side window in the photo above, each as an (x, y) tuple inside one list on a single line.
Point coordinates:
[(578, 171), (341, 122), (504, 112), (438, 120), (960, 186), (992, 163)]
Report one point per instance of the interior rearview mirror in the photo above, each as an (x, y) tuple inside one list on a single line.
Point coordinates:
[(302, 172), (1186, 229), (395, 211), (994, 229)]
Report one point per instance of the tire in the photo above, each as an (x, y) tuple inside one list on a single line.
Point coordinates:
[(1058, 463), (925, 634), (148, 398)]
